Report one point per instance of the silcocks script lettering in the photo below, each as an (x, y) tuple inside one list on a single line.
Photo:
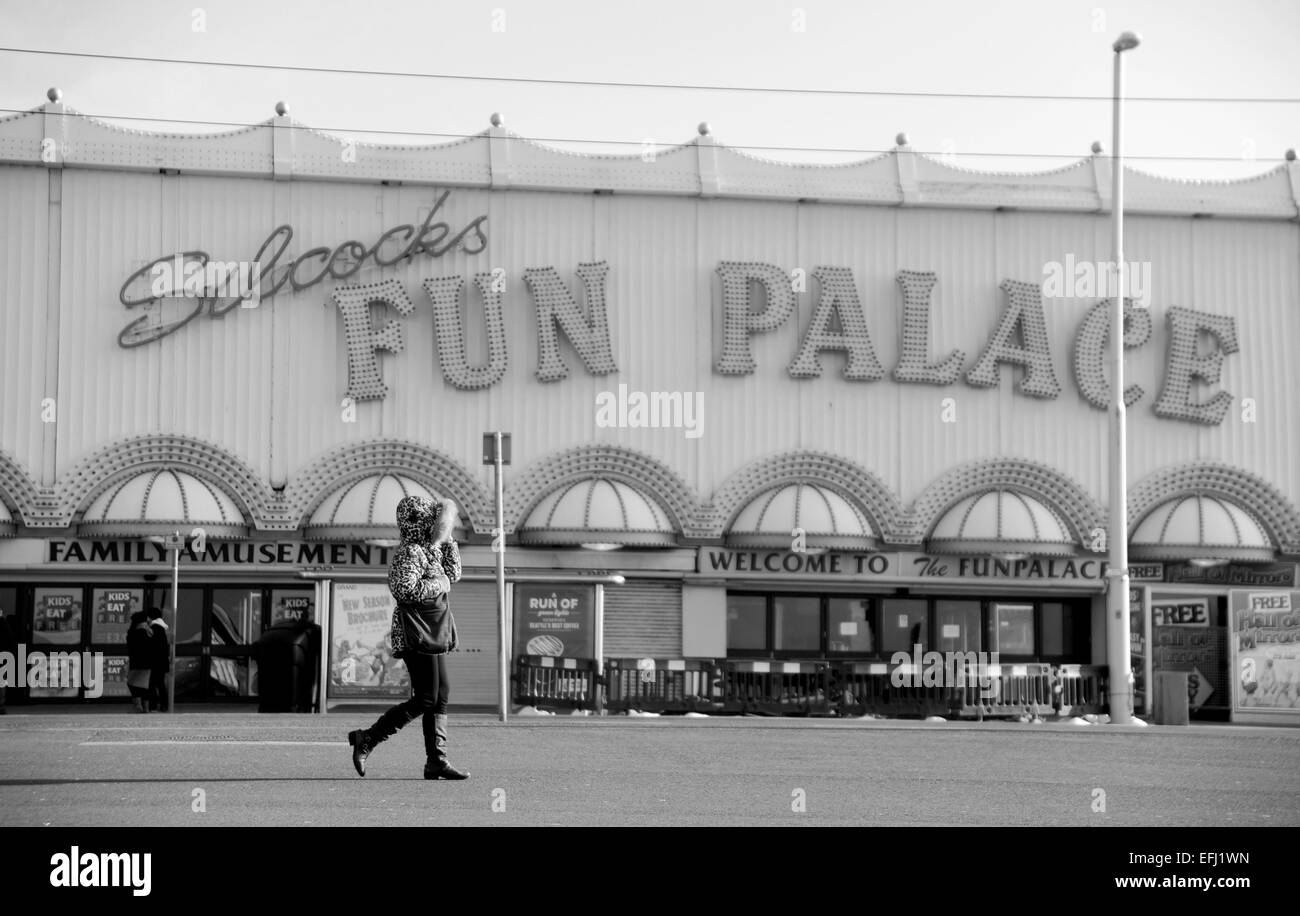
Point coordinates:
[(432, 238), (103, 869)]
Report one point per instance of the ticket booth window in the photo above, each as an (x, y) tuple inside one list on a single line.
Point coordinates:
[(903, 625), (746, 623), (798, 623), (957, 626), (850, 626), (1013, 629)]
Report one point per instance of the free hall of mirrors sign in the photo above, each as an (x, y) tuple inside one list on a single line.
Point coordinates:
[(755, 298)]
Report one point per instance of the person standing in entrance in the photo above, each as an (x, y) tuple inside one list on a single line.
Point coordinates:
[(160, 660), (424, 565), (140, 653)]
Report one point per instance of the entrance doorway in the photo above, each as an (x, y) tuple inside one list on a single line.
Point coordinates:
[(216, 635)]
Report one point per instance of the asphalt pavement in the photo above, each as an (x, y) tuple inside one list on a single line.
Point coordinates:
[(246, 769)]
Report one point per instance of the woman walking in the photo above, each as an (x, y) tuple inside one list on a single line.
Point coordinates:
[(139, 665), (426, 563)]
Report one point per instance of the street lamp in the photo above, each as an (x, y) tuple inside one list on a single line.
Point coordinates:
[(1117, 598), (174, 543)]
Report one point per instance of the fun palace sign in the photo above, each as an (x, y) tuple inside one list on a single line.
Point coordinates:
[(753, 298)]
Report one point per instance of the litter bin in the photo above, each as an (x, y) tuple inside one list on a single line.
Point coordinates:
[(286, 659), (1171, 698)]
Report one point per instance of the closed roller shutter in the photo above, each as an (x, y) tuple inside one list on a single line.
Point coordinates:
[(643, 619), (472, 669)]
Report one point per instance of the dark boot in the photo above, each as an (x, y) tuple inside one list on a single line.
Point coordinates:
[(436, 766), (364, 740)]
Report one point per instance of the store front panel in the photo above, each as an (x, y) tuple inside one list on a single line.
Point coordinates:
[(826, 625)]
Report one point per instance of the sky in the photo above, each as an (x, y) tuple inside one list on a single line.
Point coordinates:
[(471, 58)]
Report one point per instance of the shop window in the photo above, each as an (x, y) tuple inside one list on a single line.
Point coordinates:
[(1013, 629), (189, 613), (1066, 632), (189, 678), (232, 677), (56, 615), (236, 616), (902, 625), (957, 626), (292, 604), (797, 623), (747, 623), (850, 626), (9, 611), (111, 615)]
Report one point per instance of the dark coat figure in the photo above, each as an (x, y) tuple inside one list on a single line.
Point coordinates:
[(140, 658), (160, 661), (288, 658), (423, 567)]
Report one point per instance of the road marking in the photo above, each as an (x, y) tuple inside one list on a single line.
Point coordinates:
[(172, 742)]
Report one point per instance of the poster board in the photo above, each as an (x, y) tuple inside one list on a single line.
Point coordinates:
[(1264, 632), (361, 664), (555, 620), (56, 616)]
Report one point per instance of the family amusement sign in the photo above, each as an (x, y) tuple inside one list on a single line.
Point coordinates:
[(756, 298)]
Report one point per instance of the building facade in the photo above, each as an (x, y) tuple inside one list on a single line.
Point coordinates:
[(795, 412)]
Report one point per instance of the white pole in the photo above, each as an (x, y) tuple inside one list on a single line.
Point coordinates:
[(1118, 648), (597, 698), (171, 649), (502, 635), (324, 621)]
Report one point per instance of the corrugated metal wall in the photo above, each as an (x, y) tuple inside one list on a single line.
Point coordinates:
[(24, 205), (266, 383), (473, 669), (643, 619)]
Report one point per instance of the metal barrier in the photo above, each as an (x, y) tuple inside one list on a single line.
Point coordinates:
[(567, 683), (662, 685), (1003, 690), (1034, 689), (776, 688), (884, 689), (784, 688), (1083, 688)]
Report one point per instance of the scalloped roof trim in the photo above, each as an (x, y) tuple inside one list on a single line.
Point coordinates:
[(170, 136), (1281, 168), (740, 152)]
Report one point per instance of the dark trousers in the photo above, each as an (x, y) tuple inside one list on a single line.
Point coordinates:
[(158, 689), (429, 691)]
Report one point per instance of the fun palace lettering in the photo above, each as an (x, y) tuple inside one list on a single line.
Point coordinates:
[(754, 299)]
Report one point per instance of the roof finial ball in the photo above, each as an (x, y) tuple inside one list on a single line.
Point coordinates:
[(1290, 155), (1097, 147), (705, 129), (54, 94), (281, 109), (901, 139), (496, 119)]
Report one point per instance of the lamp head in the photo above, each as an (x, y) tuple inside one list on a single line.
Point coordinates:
[(1127, 42)]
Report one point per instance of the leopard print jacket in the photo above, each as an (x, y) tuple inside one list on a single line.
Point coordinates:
[(414, 572)]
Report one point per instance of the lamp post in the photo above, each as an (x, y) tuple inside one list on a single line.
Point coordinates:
[(496, 452), (175, 544), (1118, 648)]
